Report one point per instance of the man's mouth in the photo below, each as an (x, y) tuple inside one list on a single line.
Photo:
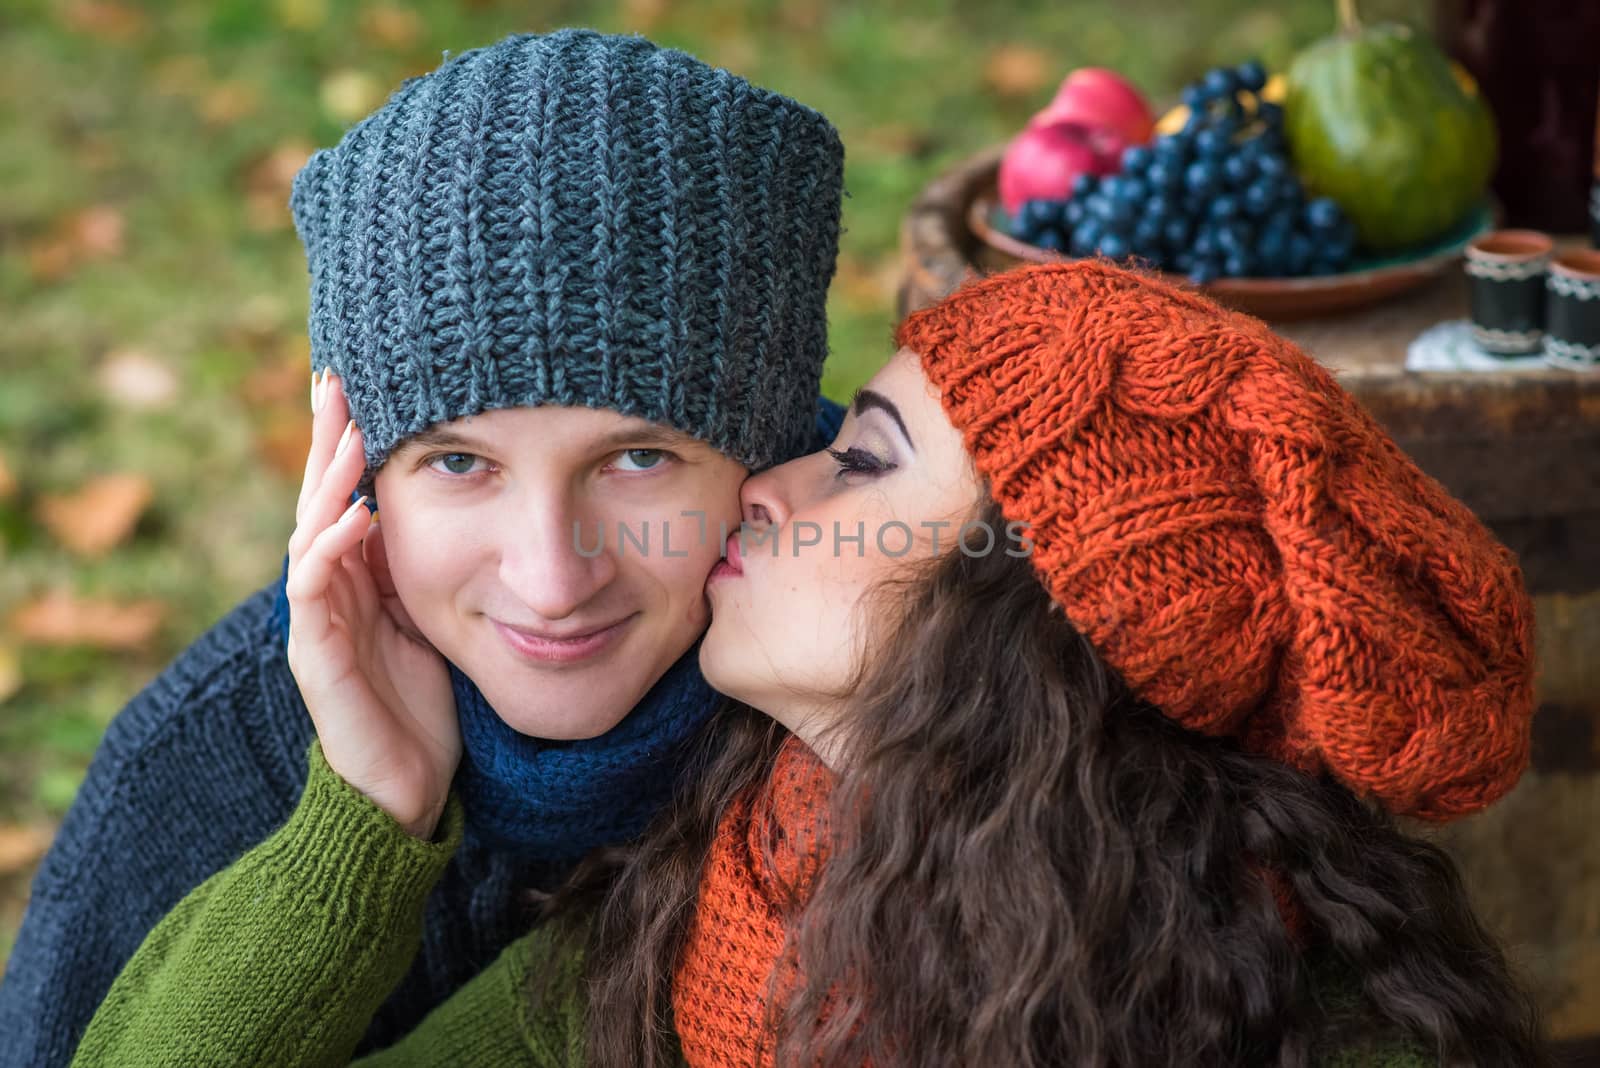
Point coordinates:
[(562, 646)]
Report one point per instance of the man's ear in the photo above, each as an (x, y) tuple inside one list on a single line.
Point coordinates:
[(377, 561)]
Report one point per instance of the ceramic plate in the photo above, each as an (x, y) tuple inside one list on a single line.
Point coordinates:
[(1368, 279)]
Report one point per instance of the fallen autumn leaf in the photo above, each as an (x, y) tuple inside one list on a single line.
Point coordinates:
[(285, 438), (97, 517), (347, 95), (10, 672), (95, 233), (62, 618), (104, 19), (393, 27), (21, 846), (134, 379), (1016, 70)]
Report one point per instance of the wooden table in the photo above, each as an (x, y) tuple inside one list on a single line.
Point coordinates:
[(1522, 448)]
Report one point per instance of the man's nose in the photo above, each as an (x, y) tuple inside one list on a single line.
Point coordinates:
[(551, 565)]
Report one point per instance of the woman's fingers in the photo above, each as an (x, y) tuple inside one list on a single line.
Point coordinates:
[(329, 413), (310, 606), (329, 500)]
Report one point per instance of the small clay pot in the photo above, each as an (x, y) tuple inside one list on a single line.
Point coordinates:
[(1572, 310), (1507, 271)]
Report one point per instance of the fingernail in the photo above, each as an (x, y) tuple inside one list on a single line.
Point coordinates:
[(350, 511), (344, 440), (322, 388), (314, 392)]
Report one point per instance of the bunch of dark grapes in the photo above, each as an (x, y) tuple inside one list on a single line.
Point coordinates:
[(1218, 199)]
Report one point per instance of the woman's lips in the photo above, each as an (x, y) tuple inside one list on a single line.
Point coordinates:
[(563, 650), (731, 564)]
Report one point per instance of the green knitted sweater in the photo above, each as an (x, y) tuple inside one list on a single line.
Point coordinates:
[(281, 960)]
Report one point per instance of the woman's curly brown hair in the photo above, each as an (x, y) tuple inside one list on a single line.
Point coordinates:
[(1043, 870)]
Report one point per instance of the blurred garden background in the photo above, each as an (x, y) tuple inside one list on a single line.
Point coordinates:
[(153, 359)]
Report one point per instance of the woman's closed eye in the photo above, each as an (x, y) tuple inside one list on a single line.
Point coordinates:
[(858, 461)]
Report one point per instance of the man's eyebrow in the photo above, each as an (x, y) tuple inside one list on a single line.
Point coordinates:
[(867, 398), (647, 436), (436, 437), (643, 436)]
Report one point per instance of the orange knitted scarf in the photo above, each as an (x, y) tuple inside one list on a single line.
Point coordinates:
[(769, 847)]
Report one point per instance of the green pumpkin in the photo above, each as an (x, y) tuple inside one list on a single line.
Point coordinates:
[(1378, 119)]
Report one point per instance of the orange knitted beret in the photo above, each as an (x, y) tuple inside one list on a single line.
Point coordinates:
[(1236, 536)]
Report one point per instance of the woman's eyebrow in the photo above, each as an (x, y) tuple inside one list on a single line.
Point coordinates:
[(867, 398)]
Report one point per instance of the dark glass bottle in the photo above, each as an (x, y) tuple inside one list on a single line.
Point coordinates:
[(1538, 65), (1594, 191)]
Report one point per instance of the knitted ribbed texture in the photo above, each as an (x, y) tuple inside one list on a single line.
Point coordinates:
[(559, 800), (239, 973), (767, 851), (280, 960), (1237, 536), (338, 850), (206, 762), (577, 219)]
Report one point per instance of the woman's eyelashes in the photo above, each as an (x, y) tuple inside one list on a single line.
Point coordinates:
[(858, 461)]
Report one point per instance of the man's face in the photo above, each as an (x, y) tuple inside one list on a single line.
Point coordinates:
[(505, 541)]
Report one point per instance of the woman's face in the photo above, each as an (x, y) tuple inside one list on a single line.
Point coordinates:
[(788, 624)]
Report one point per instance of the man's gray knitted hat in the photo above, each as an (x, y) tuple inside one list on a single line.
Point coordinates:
[(577, 219)]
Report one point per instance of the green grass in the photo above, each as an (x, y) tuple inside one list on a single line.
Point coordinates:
[(101, 113)]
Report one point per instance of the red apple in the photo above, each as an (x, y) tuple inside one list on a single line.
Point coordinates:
[(1095, 96), (1042, 162)]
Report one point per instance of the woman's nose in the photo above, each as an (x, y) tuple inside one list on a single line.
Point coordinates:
[(762, 501)]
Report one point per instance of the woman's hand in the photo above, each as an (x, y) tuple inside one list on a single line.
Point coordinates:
[(378, 693)]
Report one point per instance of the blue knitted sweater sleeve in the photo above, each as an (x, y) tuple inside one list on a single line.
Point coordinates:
[(194, 771)]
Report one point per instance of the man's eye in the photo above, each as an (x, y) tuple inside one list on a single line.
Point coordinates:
[(455, 463), (640, 459)]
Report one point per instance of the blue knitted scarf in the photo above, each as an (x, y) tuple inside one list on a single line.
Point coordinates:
[(557, 800)]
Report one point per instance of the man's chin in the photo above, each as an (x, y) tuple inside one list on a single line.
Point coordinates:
[(565, 710), (571, 705), (560, 725)]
